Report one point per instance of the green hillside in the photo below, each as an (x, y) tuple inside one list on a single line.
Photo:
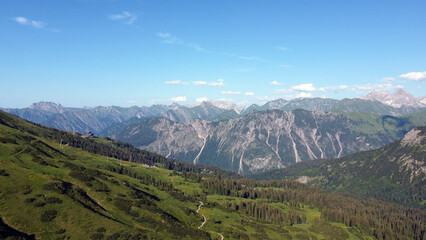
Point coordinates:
[(395, 172), (57, 185)]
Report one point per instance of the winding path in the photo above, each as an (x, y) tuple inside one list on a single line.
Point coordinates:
[(205, 220)]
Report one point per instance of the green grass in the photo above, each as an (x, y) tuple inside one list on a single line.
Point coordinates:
[(100, 202)]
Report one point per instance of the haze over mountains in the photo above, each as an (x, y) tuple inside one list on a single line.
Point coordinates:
[(258, 138), (97, 119), (270, 139)]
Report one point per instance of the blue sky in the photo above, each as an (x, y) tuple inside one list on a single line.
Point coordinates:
[(93, 52)]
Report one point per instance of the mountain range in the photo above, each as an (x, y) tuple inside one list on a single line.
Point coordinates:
[(255, 139), (99, 119), (61, 185), (395, 172), (265, 140), (398, 99)]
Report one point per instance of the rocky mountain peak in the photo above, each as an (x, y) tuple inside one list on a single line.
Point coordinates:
[(277, 104), (225, 105), (47, 106), (398, 99), (415, 137)]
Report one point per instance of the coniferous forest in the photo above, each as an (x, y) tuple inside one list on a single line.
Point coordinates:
[(131, 193)]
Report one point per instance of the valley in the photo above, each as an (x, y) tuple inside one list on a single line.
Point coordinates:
[(47, 188)]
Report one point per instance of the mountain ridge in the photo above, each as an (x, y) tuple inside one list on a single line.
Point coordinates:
[(395, 172), (98, 119), (105, 194), (267, 139)]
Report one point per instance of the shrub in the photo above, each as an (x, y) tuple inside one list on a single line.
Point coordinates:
[(96, 236), (123, 204), (39, 204), (114, 236), (26, 189), (3, 173), (53, 200), (29, 200), (49, 215)]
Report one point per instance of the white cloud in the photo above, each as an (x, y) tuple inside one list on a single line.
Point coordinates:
[(124, 17), (179, 99), (202, 99), (303, 95), (231, 93), (21, 20), (388, 79), (225, 99), (238, 93), (198, 83), (341, 87), (168, 38), (37, 24), (196, 47), (416, 76), (309, 87), (370, 87), (175, 82), (275, 83), (217, 83), (32, 23)]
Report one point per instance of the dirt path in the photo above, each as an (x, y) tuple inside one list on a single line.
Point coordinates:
[(205, 220)]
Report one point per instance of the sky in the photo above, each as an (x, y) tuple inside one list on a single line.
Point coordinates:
[(124, 53)]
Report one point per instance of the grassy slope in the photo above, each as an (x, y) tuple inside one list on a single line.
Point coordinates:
[(93, 206), (376, 173)]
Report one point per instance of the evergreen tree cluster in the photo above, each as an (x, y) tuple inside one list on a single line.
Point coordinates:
[(390, 221)]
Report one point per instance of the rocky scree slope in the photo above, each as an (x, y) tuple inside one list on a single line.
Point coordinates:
[(266, 140), (395, 172)]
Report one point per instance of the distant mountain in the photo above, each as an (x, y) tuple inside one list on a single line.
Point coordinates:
[(227, 105), (395, 172), (269, 139), (398, 99), (94, 188), (345, 105), (98, 119), (205, 110)]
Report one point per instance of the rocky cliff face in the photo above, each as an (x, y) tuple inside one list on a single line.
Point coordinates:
[(98, 119), (263, 140), (395, 172), (362, 105), (398, 99)]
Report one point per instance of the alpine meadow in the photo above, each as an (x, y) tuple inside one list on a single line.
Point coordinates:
[(213, 120)]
